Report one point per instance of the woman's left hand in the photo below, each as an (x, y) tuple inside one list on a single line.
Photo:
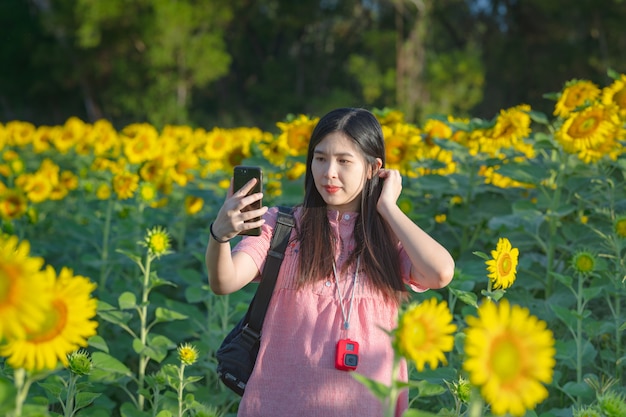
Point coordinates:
[(392, 187)]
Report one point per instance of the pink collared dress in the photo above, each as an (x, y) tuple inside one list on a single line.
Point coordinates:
[(295, 374)]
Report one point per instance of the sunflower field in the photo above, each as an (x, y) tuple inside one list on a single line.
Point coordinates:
[(105, 308)]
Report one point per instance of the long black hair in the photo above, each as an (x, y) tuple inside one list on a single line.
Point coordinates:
[(375, 242)]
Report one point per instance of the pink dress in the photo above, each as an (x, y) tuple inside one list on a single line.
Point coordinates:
[(295, 374)]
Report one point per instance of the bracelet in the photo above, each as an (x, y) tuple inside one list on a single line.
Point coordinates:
[(218, 240)]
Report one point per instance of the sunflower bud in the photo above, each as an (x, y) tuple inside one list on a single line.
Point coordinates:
[(80, 362), (187, 354)]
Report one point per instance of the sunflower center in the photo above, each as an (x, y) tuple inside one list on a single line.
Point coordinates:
[(505, 359), (585, 125), (53, 325), (505, 264), (158, 243), (584, 263)]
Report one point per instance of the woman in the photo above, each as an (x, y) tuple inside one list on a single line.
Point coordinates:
[(346, 270)]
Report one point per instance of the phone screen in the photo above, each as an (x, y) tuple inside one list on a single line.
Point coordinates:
[(243, 174)]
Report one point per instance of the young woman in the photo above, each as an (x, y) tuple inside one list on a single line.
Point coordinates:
[(346, 270)]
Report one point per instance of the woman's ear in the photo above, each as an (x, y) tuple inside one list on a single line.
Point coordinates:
[(374, 168)]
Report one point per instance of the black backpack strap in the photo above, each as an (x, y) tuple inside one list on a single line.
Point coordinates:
[(275, 255)]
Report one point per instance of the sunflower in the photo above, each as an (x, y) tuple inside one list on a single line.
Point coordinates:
[(275, 150), (103, 192), (147, 192), (297, 170), (13, 204), (502, 268), (37, 187), (441, 218), (193, 204), (80, 362), (616, 94), (509, 355), (406, 205), (24, 295), (584, 262), (157, 241), (434, 128), (575, 94), (187, 354), (125, 184), (424, 333), (620, 226), (512, 126), (67, 326), (140, 142), (590, 133), (218, 144), (296, 134)]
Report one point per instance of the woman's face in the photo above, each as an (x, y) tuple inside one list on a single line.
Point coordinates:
[(339, 171)]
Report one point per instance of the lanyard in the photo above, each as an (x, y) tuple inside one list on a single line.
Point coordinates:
[(346, 319)]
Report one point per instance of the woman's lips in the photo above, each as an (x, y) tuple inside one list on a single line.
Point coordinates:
[(330, 189)]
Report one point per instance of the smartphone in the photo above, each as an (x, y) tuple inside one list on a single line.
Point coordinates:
[(242, 174)]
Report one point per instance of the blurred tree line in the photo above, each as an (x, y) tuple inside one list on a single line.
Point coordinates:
[(252, 62)]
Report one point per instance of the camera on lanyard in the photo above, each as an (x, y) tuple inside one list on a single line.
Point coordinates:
[(347, 356)]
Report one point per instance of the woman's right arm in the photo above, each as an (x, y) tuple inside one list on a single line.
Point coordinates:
[(229, 273)]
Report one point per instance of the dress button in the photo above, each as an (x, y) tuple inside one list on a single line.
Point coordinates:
[(328, 283), (346, 217)]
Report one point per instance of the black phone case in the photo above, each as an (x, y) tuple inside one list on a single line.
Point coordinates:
[(242, 174)]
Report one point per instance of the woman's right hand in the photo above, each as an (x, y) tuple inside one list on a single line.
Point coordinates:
[(232, 218)]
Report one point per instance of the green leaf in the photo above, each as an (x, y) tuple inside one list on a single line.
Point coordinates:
[(105, 362), (136, 259), (566, 315), (156, 349), (99, 343), (83, 399), (164, 413), (539, 117), (379, 390), (428, 389), (418, 413), (165, 315), (7, 396), (197, 294), (577, 389), (127, 300), (563, 279), (155, 282), (54, 387), (129, 410), (192, 379), (482, 255), (495, 294), (467, 297), (111, 314), (613, 74)]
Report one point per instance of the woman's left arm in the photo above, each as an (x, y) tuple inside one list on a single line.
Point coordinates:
[(432, 264)]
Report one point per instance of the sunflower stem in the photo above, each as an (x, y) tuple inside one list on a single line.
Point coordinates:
[(143, 316), (71, 393), (475, 407), (579, 331), (22, 384), (394, 392), (181, 388), (105, 245)]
